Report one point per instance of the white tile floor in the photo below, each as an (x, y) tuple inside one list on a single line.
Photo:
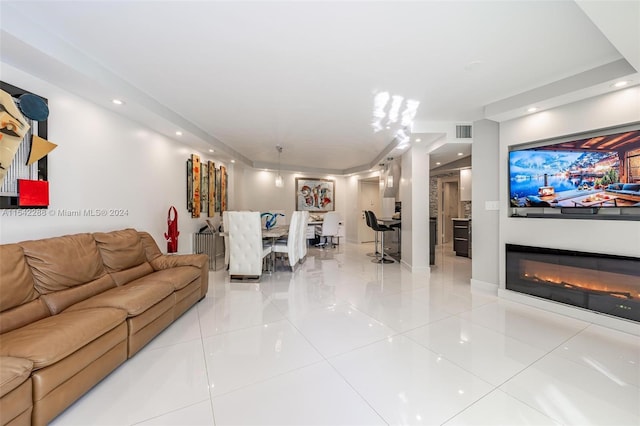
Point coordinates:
[(343, 341)]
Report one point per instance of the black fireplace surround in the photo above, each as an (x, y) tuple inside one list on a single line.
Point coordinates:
[(601, 283)]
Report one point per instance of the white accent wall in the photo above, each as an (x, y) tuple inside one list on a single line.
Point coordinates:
[(104, 161), (598, 236), (257, 191)]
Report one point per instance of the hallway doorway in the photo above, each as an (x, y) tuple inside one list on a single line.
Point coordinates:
[(368, 199), (449, 207)]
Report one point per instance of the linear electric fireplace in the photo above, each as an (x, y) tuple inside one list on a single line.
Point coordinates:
[(599, 282)]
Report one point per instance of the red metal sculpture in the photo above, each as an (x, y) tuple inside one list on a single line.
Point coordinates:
[(172, 231)]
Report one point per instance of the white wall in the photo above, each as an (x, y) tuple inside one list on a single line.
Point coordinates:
[(259, 192), (104, 161), (414, 194), (485, 217), (610, 236)]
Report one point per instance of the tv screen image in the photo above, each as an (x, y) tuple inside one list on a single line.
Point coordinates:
[(602, 171)]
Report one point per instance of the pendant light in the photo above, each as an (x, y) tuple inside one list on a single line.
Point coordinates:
[(279, 180)]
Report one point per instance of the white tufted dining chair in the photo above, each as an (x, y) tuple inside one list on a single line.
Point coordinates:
[(302, 235), (247, 251), (290, 245), (225, 236)]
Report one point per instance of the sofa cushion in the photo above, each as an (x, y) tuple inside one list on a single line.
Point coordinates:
[(150, 247), (61, 300), (62, 262), (199, 260), (179, 277), (614, 186), (120, 250), (22, 315), (49, 340), (632, 187), (125, 276), (134, 298), (13, 372), (16, 281)]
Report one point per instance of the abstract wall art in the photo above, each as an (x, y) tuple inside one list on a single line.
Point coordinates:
[(315, 195)]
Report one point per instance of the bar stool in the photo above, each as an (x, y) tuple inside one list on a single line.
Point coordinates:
[(375, 253), (377, 227)]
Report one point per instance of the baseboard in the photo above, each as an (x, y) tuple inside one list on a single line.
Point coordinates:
[(484, 287), (404, 264), (619, 324)]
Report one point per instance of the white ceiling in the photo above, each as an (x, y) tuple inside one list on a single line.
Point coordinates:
[(242, 77)]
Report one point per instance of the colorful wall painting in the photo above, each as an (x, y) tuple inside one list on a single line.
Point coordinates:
[(315, 195), (204, 187), (223, 189), (196, 185), (211, 210)]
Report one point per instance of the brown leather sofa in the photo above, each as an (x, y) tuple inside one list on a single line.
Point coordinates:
[(73, 308)]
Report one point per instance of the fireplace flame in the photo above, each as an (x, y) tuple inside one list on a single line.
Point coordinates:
[(617, 285)]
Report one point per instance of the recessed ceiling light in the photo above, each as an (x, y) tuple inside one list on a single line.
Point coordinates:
[(211, 150), (117, 101), (459, 154), (532, 109), (388, 127), (418, 140), (233, 161), (179, 133), (438, 163), (620, 84)]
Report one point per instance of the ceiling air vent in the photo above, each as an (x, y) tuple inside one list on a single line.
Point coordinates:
[(463, 131)]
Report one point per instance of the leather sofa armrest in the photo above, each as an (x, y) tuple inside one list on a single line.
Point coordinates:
[(171, 261), (13, 372)]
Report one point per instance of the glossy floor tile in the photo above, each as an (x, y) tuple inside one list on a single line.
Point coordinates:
[(343, 341), (574, 394), (490, 355), (408, 384), (314, 395)]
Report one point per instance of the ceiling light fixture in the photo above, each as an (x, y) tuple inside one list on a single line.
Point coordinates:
[(117, 101), (409, 113), (178, 133), (390, 107), (396, 102), (233, 161), (279, 180), (211, 150), (532, 109), (438, 163), (460, 154), (418, 140), (620, 84)]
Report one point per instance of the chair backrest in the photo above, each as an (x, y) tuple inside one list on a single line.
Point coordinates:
[(330, 224), (225, 228), (292, 239), (374, 222), (302, 234), (245, 243), (367, 217)]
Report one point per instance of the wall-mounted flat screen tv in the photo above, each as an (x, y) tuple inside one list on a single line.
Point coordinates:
[(596, 172)]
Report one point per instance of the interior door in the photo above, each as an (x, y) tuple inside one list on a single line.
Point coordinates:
[(369, 199)]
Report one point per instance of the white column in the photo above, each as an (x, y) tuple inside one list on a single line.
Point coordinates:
[(414, 193)]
